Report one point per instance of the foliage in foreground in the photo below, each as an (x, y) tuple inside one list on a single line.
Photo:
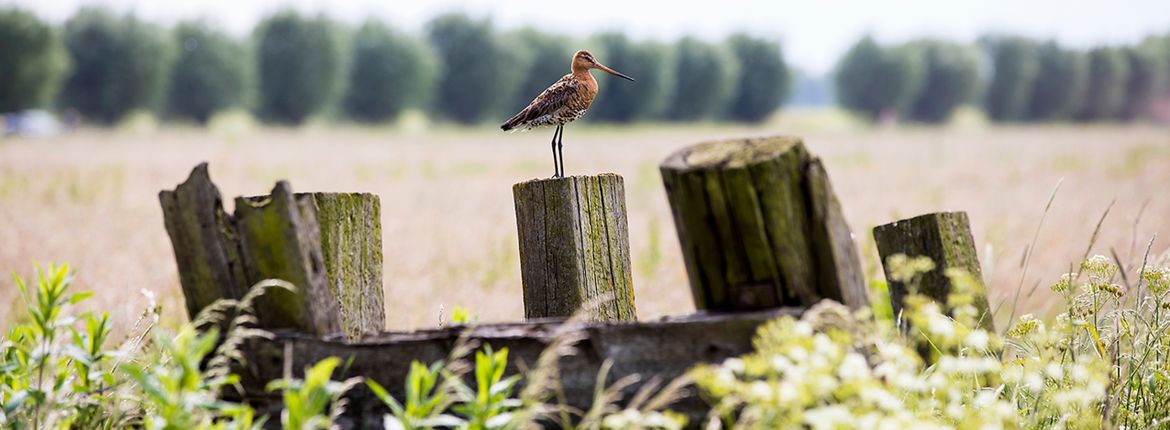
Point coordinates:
[(1102, 363)]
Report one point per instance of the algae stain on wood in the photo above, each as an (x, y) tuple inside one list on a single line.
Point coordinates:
[(326, 244), (757, 228), (574, 247)]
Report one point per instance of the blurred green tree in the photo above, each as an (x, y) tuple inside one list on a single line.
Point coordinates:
[(33, 61), (1104, 96), (764, 80), (951, 77), (1147, 79), (547, 58), (477, 77), (212, 73), (389, 72), (299, 65), (871, 79), (119, 64), (1015, 68), (620, 101), (705, 76), (1062, 76)]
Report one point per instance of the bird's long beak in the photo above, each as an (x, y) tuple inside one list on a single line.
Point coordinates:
[(614, 72)]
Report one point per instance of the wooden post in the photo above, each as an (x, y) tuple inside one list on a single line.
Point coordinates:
[(574, 246), (946, 238), (208, 258), (351, 245), (760, 227), (326, 244)]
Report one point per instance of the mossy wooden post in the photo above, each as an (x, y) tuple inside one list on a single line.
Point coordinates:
[(279, 238), (945, 238), (574, 246), (760, 227), (328, 245), (351, 245), (207, 255)]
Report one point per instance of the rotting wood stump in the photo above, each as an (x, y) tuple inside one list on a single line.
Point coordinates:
[(328, 245), (945, 238), (575, 247), (760, 227)]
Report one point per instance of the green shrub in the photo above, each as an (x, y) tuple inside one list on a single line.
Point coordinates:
[(625, 102), (120, 64), (1147, 80), (299, 66), (33, 61), (704, 79), (389, 73), (1015, 71), (477, 77), (872, 80), (950, 79), (212, 74), (1105, 91), (764, 81), (1057, 94)]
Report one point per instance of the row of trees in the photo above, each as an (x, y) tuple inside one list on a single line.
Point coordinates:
[(295, 67), (1014, 79), (463, 70)]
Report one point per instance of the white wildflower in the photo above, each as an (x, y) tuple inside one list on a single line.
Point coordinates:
[(828, 417), (853, 367), (978, 339)]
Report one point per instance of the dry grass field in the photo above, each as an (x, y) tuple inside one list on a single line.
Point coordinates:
[(90, 199)]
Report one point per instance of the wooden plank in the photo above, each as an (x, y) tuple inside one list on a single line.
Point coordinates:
[(664, 348), (574, 247), (944, 237)]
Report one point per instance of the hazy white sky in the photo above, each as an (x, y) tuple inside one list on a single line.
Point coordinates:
[(814, 33)]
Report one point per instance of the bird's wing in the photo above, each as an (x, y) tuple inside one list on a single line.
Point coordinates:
[(553, 98)]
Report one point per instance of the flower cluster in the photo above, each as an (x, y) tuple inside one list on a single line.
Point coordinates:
[(1101, 363)]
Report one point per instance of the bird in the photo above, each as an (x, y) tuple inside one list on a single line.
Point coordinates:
[(561, 103)]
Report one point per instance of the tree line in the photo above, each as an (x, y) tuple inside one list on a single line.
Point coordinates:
[(294, 67), (1013, 79), (462, 69)]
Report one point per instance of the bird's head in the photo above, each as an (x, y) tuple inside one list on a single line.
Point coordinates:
[(583, 60)]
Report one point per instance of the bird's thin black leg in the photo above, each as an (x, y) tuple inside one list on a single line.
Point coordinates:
[(561, 149), (556, 173)]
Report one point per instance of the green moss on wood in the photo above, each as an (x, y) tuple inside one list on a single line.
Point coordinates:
[(747, 228), (574, 246), (328, 245), (943, 237)]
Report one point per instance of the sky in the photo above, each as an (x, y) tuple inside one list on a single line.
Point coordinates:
[(813, 33)]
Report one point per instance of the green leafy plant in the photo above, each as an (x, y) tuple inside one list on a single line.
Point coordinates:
[(489, 405), (315, 401)]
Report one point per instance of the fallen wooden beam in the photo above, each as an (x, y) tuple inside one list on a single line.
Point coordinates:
[(664, 348)]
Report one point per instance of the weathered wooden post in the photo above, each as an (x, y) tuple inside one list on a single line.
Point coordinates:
[(760, 226), (574, 246), (945, 238), (326, 244)]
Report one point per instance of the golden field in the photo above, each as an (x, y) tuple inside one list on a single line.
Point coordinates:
[(90, 199)]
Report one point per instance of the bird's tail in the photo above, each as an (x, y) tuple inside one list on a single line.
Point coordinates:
[(513, 121)]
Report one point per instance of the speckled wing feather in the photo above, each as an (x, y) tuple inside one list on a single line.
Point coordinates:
[(548, 107)]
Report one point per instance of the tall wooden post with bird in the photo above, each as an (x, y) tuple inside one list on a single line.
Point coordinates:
[(574, 244)]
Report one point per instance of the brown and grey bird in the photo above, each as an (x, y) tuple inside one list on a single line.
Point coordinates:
[(561, 103)]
